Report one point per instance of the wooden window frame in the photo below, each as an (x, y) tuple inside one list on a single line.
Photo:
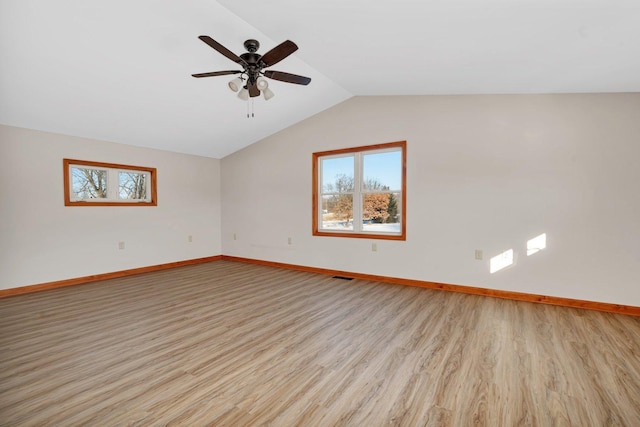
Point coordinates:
[(67, 163), (317, 231)]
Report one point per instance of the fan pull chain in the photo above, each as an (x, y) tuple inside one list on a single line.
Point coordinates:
[(250, 108)]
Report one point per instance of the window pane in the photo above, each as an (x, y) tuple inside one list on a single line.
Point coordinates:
[(337, 212), (382, 171), (132, 185), (337, 175), (88, 183), (381, 213)]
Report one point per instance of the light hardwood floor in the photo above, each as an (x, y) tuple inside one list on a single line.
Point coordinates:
[(227, 343)]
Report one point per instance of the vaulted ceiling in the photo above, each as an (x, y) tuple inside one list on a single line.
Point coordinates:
[(120, 70)]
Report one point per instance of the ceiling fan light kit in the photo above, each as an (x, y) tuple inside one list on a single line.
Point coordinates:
[(254, 64), (268, 94), (243, 94), (235, 84), (262, 83)]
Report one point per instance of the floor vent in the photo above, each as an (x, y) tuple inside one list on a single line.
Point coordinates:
[(343, 278)]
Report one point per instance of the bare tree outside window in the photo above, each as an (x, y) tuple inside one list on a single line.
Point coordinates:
[(89, 183), (132, 185), (342, 202)]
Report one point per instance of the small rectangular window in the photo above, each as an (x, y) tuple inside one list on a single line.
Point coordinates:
[(360, 192), (89, 183)]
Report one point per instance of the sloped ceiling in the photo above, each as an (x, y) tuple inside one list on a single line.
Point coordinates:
[(121, 70)]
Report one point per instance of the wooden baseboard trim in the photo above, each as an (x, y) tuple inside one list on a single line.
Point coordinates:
[(518, 296), (104, 276)]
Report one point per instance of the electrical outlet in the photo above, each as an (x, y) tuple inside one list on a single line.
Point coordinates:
[(235, 237), (190, 238), (374, 247), (120, 245), (479, 254), (289, 240)]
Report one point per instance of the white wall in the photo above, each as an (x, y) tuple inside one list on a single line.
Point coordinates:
[(41, 240), (484, 172)]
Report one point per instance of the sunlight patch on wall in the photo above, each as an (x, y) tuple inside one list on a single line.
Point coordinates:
[(500, 261), (537, 244)]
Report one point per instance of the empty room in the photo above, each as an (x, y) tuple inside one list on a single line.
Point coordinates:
[(319, 213)]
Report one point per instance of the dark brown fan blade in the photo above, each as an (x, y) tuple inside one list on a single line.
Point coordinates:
[(216, 73), (287, 77), (278, 53), (253, 89), (223, 50)]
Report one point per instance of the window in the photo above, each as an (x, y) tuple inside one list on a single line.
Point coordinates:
[(360, 192), (107, 184)]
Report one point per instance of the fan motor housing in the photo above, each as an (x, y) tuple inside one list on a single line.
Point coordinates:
[(251, 58)]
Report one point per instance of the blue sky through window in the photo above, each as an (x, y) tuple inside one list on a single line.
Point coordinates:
[(386, 168), (333, 167)]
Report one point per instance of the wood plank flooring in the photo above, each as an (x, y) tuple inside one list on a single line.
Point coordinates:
[(234, 344)]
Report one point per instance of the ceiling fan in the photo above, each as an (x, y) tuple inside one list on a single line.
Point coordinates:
[(251, 81)]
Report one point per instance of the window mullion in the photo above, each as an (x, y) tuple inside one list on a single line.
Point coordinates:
[(112, 184)]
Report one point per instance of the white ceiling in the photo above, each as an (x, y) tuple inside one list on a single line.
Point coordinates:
[(119, 70)]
